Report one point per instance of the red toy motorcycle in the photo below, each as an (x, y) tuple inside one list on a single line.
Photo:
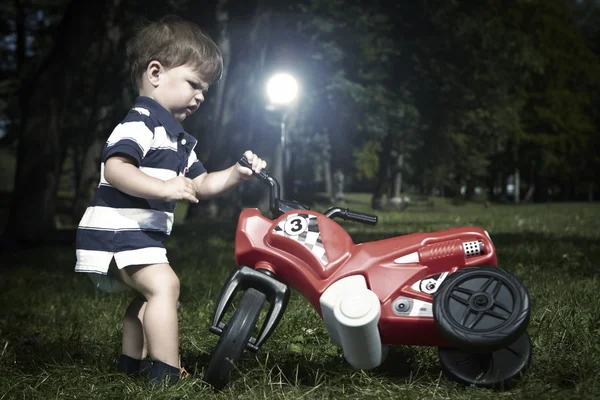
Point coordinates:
[(430, 289)]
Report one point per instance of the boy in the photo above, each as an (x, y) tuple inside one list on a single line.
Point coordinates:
[(148, 163)]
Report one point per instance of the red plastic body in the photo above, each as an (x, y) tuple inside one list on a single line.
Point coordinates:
[(258, 246)]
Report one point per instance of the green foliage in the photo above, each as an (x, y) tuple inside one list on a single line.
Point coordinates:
[(487, 86), (367, 160), (476, 111), (22, 51), (356, 46), (559, 125), (468, 90)]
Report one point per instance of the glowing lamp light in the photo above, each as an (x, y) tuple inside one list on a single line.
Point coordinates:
[(282, 88)]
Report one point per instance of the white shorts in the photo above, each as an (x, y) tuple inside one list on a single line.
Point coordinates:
[(99, 265), (98, 262)]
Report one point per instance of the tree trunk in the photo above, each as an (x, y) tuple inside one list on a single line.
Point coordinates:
[(32, 213), (224, 44), (20, 51), (517, 186), (457, 196), (531, 183), (469, 189), (382, 173), (529, 194), (503, 185), (21, 34), (263, 203), (89, 176), (101, 120), (398, 176), (327, 176), (221, 112), (541, 188), (258, 35), (240, 73), (290, 172)]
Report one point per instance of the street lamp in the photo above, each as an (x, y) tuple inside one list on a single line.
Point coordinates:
[(282, 89)]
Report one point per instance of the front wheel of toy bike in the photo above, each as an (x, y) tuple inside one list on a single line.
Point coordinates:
[(233, 339)]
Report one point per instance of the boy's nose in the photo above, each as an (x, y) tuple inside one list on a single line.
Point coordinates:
[(200, 97)]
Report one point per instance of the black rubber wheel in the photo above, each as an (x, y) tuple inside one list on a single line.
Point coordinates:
[(481, 309), (500, 369), (233, 339)]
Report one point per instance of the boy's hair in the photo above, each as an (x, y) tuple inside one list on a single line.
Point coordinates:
[(174, 42)]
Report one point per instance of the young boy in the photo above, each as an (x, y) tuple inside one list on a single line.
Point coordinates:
[(149, 163)]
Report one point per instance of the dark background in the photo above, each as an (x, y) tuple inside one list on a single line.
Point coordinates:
[(475, 100)]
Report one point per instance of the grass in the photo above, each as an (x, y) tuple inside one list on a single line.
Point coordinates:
[(60, 339)]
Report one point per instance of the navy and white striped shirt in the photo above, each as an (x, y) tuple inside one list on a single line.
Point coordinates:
[(130, 228)]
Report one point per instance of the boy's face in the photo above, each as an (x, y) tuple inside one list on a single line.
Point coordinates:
[(180, 90)]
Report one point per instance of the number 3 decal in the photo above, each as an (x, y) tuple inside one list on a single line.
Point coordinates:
[(295, 226)]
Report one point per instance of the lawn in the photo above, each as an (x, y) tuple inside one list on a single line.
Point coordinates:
[(60, 339)]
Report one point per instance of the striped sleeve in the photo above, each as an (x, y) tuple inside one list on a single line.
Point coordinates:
[(195, 168), (132, 137)]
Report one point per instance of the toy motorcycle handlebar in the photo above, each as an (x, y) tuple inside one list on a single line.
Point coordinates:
[(279, 207), (274, 191), (263, 175), (349, 215)]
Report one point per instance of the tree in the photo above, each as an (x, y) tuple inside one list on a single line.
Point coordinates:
[(27, 27), (559, 125), (356, 56), (228, 123), (40, 147)]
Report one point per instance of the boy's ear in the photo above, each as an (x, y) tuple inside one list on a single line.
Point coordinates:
[(153, 72)]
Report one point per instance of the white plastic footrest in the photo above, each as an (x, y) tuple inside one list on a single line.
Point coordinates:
[(351, 313)]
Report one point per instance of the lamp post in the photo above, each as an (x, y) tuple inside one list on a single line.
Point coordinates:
[(282, 89)]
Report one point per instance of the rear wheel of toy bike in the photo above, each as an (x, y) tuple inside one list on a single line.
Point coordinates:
[(499, 369), (481, 309), (233, 339)]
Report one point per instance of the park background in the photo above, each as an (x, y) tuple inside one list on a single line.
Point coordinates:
[(437, 114)]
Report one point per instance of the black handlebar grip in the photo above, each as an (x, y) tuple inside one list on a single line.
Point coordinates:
[(244, 163), (361, 217)]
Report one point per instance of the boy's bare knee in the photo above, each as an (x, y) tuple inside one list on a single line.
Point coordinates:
[(155, 280), (169, 287)]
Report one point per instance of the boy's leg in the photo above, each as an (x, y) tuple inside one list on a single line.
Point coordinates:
[(133, 360), (133, 329), (133, 347), (160, 287)]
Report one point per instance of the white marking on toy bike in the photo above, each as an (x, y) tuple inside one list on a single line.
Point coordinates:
[(412, 258), (412, 307), (421, 309), (304, 229), (473, 248), (430, 284)]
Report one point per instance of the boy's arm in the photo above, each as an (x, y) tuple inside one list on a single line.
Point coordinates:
[(122, 174), (211, 185)]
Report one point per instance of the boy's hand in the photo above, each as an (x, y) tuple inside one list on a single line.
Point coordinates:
[(257, 163), (179, 188)]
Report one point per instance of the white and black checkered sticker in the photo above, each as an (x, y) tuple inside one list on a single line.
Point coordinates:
[(304, 229)]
